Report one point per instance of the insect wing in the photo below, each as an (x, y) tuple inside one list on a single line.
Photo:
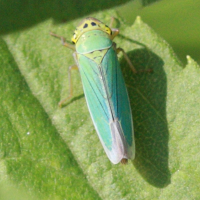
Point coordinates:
[(108, 103)]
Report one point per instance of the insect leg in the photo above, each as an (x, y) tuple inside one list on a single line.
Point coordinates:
[(73, 67), (111, 21), (70, 46), (115, 32), (130, 63), (126, 58)]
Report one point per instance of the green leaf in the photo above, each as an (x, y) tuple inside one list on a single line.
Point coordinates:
[(55, 153), (34, 157)]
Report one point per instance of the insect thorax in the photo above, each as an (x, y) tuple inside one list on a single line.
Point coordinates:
[(94, 45)]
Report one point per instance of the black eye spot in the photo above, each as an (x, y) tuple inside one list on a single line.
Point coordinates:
[(85, 25), (93, 24)]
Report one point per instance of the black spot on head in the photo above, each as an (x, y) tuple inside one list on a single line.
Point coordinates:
[(85, 25), (106, 26), (93, 24)]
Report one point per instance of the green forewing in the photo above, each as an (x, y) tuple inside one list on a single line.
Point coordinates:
[(96, 98), (106, 95)]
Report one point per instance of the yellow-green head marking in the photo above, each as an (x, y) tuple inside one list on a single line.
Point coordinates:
[(89, 24)]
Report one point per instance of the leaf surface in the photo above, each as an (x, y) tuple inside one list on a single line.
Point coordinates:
[(55, 153)]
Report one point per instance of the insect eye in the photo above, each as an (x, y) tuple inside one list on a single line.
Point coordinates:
[(93, 24), (85, 25)]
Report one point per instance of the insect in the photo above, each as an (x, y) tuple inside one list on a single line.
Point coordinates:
[(106, 95)]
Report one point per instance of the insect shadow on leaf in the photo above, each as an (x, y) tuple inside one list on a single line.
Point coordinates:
[(147, 93)]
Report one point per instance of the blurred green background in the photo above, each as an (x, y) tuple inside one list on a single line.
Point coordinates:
[(176, 21)]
